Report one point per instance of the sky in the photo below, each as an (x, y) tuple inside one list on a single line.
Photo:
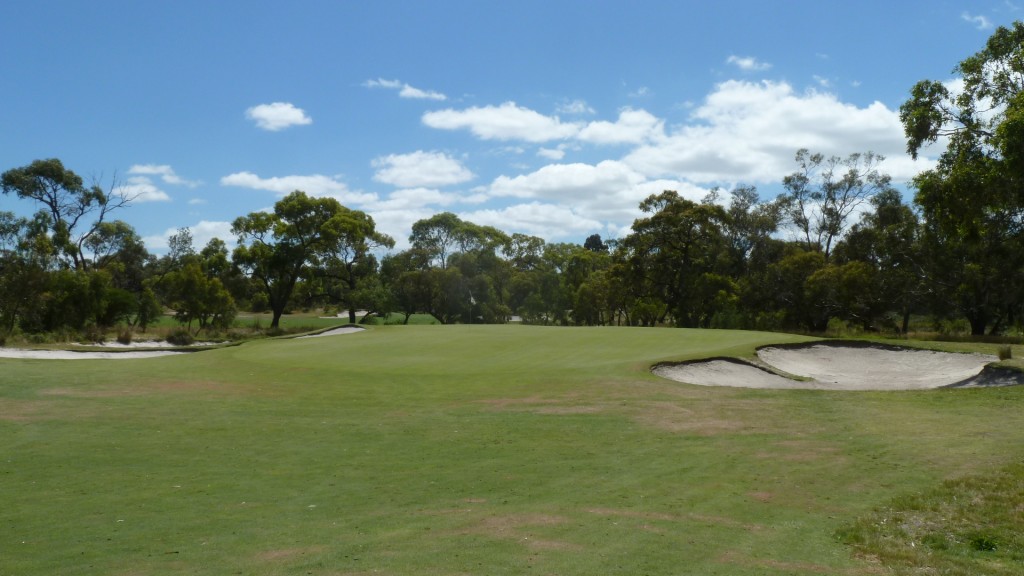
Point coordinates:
[(554, 118)]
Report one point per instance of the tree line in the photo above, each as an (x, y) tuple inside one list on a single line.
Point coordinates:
[(839, 243)]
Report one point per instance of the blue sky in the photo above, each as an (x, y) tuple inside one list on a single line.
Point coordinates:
[(553, 118)]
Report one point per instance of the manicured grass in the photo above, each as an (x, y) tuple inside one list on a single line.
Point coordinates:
[(463, 450)]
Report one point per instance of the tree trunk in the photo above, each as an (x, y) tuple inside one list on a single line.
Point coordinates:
[(978, 322)]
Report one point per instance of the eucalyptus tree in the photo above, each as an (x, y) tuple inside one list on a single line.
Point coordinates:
[(281, 247), (972, 202), (671, 258), (73, 212), (825, 192)]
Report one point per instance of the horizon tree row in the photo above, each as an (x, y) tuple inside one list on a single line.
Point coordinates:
[(838, 244)]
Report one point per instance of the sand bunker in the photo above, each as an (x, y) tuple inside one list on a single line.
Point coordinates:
[(838, 367), (71, 355), (335, 332)]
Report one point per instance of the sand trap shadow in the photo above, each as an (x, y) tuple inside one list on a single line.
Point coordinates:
[(845, 366)]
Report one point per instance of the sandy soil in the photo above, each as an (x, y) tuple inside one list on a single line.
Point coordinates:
[(835, 367)]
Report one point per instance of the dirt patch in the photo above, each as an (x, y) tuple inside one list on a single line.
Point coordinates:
[(520, 527)]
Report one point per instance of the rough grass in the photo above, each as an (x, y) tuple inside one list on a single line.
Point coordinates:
[(463, 450), (968, 526)]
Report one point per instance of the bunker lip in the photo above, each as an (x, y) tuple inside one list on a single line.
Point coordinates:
[(844, 365)]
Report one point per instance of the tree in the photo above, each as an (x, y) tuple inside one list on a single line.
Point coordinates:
[(351, 261), (821, 196), (672, 253), (279, 248), (972, 202), (66, 203), (195, 296), (595, 244), (889, 240)]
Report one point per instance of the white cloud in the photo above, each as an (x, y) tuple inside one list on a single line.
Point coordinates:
[(165, 172), (609, 192), (420, 169), (277, 116), (749, 132), (551, 153), (640, 92), (202, 233), (142, 189), (505, 122), (405, 90), (313, 184), (575, 107), (196, 201), (632, 127), (748, 63), (565, 182), (980, 22), (549, 221)]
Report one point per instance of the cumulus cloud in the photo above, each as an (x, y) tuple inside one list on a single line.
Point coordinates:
[(420, 169), (505, 122), (748, 63), (632, 127), (405, 90), (568, 182), (749, 132), (277, 116), (164, 171), (979, 22), (142, 189), (549, 221), (202, 233), (609, 192), (313, 184)]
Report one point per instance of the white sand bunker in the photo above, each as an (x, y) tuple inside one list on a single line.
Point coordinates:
[(836, 367), (71, 355), (335, 332), (732, 373)]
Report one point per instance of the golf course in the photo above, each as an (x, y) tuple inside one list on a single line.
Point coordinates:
[(498, 449)]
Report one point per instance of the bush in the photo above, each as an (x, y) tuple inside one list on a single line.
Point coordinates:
[(125, 336), (181, 337), (1005, 352), (94, 333)]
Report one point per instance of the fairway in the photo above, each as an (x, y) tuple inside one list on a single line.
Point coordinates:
[(457, 450)]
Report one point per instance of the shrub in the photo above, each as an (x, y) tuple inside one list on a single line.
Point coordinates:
[(1005, 352), (180, 337), (94, 333), (125, 336)]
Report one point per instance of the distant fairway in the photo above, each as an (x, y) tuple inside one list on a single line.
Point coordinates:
[(462, 450)]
